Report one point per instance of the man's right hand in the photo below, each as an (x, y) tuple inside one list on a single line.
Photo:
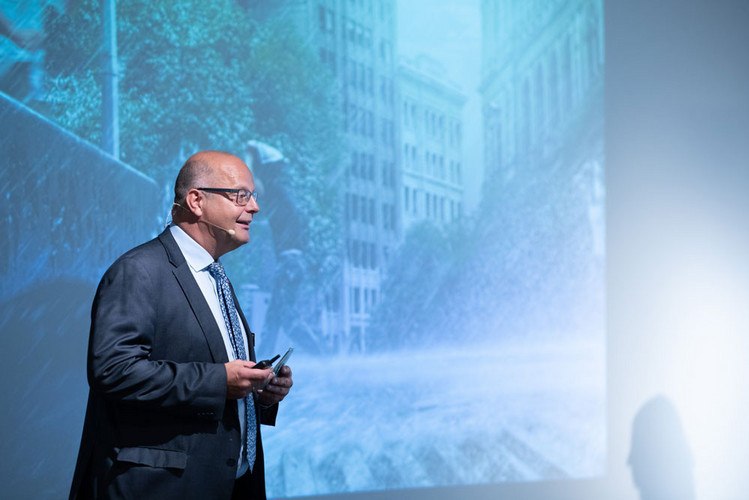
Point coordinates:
[(241, 378)]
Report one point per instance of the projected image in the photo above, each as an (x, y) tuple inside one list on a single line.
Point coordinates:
[(430, 237)]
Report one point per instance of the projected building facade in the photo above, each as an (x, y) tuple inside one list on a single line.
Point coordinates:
[(431, 129), (542, 76), (356, 41), (542, 99)]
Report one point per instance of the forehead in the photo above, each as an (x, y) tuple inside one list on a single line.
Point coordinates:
[(232, 172)]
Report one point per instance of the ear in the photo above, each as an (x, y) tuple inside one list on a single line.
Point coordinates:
[(194, 202)]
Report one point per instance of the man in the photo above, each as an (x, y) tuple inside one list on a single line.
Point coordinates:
[(175, 401)]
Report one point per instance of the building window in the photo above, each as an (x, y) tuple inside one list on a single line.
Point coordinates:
[(326, 19), (355, 295)]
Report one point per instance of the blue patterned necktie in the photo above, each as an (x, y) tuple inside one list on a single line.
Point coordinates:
[(231, 318)]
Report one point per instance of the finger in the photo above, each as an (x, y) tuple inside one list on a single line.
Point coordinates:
[(284, 381), (277, 389), (254, 373), (267, 396)]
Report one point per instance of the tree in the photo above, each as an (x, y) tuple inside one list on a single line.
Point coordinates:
[(206, 75), (185, 84)]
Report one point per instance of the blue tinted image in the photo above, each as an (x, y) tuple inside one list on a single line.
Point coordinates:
[(431, 234)]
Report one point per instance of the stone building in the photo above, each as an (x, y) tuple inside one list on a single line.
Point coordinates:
[(431, 138)]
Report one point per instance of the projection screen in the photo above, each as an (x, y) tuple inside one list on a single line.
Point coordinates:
[(431, 234)]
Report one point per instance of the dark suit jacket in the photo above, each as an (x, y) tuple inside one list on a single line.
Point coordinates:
[(158, 424)]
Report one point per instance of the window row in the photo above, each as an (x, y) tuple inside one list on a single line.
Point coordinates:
[(362, 300), (388, 217), (435, 124), (363, 166), (358, 34), (354, 33), (326, 19), (441, 208), (328, 58), (362, 254), (360, 209), (387, 135), (359, 76), (387, 91), (388, 174), (359, 120), (434, 164)]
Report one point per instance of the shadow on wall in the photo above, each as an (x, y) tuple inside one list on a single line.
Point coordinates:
[(660, 458)]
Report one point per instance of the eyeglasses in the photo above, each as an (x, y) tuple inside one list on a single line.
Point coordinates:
[(242, 197)]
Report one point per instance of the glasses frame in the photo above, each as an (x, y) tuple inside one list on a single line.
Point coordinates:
[(236, 192)]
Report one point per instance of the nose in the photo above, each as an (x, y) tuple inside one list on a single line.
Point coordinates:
[(252, 206)]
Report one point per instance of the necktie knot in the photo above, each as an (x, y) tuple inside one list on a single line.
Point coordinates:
[(216, 269)]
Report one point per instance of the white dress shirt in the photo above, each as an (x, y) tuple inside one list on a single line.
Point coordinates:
[(199, 259)]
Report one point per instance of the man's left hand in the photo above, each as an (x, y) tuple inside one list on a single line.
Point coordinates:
[(277, 388)]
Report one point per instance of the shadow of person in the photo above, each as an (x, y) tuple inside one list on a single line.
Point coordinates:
[(659, 456)]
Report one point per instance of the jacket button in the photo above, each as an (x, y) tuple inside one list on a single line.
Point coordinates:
[(232, 462)]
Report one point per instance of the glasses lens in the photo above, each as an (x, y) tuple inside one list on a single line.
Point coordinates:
[(243, 196)]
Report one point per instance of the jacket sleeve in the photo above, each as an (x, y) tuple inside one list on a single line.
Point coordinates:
[(123, 323), (268, 414)]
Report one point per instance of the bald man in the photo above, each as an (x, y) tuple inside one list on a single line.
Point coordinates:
[(175, 401)]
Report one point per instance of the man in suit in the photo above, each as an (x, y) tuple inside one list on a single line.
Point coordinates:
[(176, 402)]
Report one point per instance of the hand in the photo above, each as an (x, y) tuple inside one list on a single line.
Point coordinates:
[(241, 378), (277, 388)]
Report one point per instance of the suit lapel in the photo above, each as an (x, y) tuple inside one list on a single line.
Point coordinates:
[(195, 298)]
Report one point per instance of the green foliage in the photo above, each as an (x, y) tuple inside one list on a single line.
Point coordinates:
[(183, 85), (200, 75), (416, 275), (298, 110)]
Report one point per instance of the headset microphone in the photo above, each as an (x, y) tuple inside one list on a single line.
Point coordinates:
[(231, 232)]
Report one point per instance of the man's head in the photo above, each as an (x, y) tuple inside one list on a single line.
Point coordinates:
[(209, 194)]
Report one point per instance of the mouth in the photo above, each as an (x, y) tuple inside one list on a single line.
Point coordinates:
[(244, 224)]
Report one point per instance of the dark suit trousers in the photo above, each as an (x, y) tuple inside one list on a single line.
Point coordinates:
[(249, 487)]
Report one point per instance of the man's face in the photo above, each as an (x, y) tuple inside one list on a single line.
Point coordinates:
[(220, 209)]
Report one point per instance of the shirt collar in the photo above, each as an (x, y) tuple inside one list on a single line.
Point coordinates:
[(196, 256)]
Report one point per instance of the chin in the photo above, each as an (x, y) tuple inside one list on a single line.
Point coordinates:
[(242, 238)]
